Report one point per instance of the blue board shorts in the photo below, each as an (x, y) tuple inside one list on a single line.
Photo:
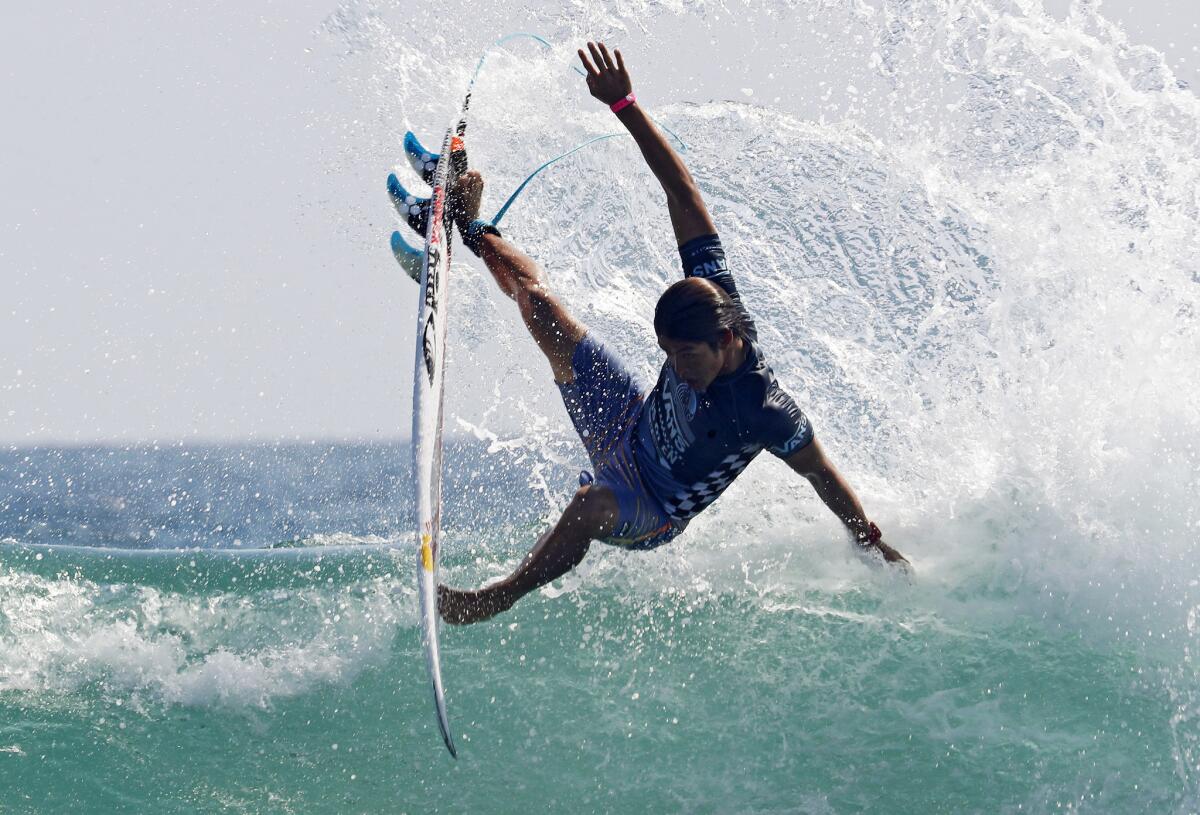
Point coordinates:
[(604, 403)]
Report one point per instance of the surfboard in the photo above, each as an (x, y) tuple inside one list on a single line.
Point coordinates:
[(430, 267), (428, 396)]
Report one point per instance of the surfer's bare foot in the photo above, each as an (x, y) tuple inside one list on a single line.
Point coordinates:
[(466, 197), (466, 607)]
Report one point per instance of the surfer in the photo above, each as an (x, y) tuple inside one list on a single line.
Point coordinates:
[(663, 456)]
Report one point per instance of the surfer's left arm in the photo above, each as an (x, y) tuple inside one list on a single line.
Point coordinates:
[(811, 462), (609, 81)]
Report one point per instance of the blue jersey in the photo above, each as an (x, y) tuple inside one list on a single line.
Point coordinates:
[(690, 446)]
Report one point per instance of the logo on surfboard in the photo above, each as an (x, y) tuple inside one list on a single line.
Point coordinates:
[(433, 287)]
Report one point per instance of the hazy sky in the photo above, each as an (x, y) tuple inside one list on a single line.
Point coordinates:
[(193, 231)]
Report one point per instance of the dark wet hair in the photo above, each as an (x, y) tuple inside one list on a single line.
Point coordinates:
[(698, 310)]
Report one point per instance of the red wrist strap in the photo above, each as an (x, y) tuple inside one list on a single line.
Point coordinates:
[(621, 104)]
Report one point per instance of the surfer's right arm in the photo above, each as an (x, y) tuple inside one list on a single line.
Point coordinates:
[(609, 82)]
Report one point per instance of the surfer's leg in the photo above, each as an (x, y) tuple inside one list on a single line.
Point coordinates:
[(590, 515), (552, 327)]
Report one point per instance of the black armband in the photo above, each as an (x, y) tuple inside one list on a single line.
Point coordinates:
[(472, 236)]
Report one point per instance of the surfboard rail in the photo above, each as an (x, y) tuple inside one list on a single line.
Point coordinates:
[(429, 371)]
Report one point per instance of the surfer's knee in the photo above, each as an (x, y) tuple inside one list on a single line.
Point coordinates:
[(593, 506)]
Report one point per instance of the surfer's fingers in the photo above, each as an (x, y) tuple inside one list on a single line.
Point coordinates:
[(620, 60), (596, 56), (587, 63), (608, 60)]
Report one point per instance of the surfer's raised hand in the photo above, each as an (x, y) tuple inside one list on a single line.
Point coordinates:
[(607, 80)]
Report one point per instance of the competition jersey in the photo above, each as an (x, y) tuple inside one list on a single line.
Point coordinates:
[(690, 446)]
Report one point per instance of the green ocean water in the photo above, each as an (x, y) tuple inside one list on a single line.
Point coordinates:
[(606, 701), (705, 679), (615, 700)]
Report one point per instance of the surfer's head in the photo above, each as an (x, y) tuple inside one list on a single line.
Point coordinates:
[(699, 326)]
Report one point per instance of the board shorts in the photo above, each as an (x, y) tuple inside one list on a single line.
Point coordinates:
[(605, 403)]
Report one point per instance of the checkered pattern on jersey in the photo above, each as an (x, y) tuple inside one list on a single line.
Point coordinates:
[(688, 502)]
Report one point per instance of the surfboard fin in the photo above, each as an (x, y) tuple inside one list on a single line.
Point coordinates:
[(422, 160), (413, 209), (409, 258)]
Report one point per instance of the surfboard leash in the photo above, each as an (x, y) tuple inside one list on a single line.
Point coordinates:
[(415, 209)]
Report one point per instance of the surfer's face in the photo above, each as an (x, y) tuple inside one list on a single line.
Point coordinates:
[(696, 363)]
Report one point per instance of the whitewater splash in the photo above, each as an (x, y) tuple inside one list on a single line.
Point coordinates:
[(978, 276), (980, 281)]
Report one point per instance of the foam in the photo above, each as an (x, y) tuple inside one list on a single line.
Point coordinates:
[(63, 635), (987, 306), (979, 277)]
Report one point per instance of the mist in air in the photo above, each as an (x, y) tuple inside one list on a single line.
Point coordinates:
[(968, 234)]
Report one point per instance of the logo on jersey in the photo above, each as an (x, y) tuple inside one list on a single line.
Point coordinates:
[(709, 268), (802, 434), (670, 415), (685, 398), (800, 438)]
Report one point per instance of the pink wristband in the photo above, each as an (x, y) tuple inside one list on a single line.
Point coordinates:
[(621, 104)]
